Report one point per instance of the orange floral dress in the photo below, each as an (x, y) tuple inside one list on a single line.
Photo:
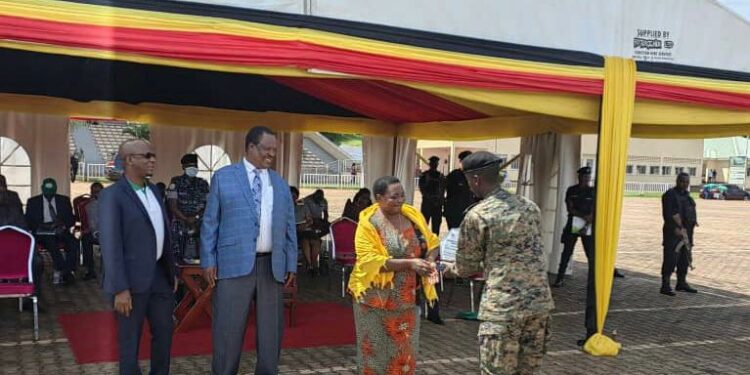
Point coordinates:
[(387, 320)]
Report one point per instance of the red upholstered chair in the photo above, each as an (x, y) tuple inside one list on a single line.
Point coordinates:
[(342, 235), (79, 210), (79, 207), (16, 251)]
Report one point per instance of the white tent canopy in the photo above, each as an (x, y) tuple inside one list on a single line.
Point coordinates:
[(702, 32)]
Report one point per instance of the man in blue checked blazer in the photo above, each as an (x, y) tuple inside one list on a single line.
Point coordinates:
[(249, 251)]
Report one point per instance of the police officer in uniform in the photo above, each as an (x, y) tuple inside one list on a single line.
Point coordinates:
[(501, 236), (432, 187), (458, 195), (579, 200), (680, 218), (186, 196)]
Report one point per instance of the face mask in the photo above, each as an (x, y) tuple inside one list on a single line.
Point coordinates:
[(191, 171), (49, 189)]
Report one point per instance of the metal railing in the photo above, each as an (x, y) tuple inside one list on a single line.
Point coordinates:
[(330, 181), (87, 171), (647, 187)]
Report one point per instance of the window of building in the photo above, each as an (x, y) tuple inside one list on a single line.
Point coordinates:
[(653, 170), (15, 165), (692, 171), (641, 169), (210, 159), (514, 166), (589, 162), (628, 169), (678, 170), (748, 172), (666, 171)]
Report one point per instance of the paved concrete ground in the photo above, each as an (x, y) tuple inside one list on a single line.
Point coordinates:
[(707, 333)]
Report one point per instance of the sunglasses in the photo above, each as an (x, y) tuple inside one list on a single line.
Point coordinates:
[(147, 155)]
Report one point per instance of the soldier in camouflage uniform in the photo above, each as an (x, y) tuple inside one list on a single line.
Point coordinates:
[(501, 237), (186, 197)]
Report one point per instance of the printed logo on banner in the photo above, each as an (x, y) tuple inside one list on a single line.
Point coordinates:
[(653, 45)]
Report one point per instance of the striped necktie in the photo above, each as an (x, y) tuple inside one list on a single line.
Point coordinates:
[(257, 191)]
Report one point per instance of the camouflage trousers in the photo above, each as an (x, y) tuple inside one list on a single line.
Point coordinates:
[(515, 346)]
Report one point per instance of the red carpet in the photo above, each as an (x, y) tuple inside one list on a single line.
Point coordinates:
[(93, 335)]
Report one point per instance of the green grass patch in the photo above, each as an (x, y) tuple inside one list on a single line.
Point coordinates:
[(654, 195)]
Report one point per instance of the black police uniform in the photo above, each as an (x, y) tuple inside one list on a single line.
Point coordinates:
[(583, 199), (432, 187), (191, 194), (674, 202), (458, 198)]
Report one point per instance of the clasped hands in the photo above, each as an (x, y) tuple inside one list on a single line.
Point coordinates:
[(425, 268)]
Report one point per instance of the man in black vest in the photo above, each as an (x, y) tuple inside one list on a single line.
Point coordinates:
[(680, 218)]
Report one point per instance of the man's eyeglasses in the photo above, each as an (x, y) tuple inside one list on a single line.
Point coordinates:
[(147, 155)]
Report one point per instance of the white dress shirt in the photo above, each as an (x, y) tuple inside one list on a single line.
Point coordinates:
[(151, 203), (265, 243), (45, 206)]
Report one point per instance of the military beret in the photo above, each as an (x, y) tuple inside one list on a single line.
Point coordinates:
[(480, 160), (434, 158), (584, 170), (463, 155), (189, 159)]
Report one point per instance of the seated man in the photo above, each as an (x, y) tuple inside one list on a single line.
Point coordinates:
[(353, 207), (11, 210), (91, 231), (50, 218)]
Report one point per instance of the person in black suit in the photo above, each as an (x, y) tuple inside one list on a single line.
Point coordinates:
[(138, 267), (11, 210), (50, 218)]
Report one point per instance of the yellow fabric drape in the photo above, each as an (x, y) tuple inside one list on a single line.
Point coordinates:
[(618, 102), (194, 116), (372, 254)]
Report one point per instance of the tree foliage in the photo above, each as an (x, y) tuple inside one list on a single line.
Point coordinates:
[(140, 131)]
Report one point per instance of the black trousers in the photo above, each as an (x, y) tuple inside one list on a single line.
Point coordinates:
[(64, 264), (88, 252), (157, 305), (433, 213), (672, 260), (569, 243)]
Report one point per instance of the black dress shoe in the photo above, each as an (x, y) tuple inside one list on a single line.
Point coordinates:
[(437, 321), (582, 342), (685, 288), (558, 283), (667, 292), (618, 274)]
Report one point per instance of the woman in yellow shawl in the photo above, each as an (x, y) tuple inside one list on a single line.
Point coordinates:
[(395, 254)]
